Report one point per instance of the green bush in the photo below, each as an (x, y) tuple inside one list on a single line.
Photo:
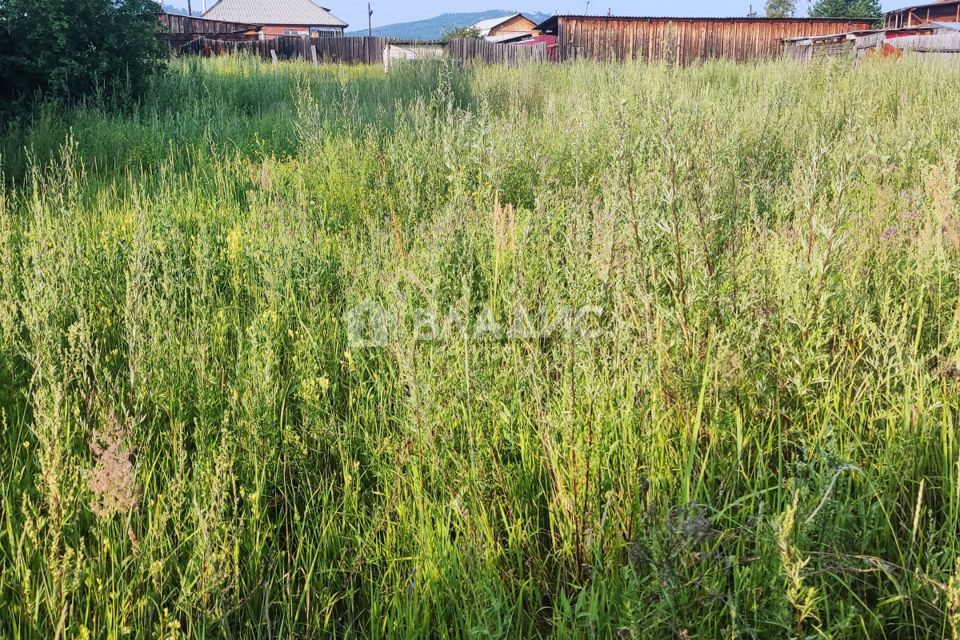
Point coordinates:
[(846, 9), (68, 49)]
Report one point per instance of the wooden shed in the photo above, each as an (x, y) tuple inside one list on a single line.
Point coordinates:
[(836, 45), (684, 40), (921, 14)]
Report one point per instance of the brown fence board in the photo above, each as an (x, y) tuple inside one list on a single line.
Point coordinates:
[(494, 53), (335, 50), (685, 40)]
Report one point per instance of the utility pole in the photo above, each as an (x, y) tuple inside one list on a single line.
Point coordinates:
[(587, 12), (189, 9), (369, 20)]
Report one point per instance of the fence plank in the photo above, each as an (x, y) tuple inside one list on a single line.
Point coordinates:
[(360, 50), (493, 52), (363, 50)]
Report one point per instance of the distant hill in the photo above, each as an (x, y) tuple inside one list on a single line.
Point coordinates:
[(169, 8), (434, 28)]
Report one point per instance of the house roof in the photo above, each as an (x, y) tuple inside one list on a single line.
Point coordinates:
[(486, 26), (508, 37), (280, 12)]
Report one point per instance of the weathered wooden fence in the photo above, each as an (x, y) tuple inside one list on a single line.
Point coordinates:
[(494, 53), (883, 44), (945, 44), (181, 30), (363, 50), (686, 40), (185, 25)]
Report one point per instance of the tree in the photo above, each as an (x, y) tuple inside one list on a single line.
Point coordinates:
[(781, 8), (70, 48), (846, 9), (456, 33)]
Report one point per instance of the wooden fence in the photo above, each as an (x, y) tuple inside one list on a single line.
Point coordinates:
[(877, 44), (185, 25), (494, 53), (363, 50), (942, 44), (684, 40), (181, 30)]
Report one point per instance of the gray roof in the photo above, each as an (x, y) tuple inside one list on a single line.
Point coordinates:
[(946, 26), (487, 25), (281, 12)]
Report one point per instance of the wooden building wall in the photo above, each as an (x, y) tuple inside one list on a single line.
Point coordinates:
[(494, 53), (686, 40), (274, 30), (916, 16), (516, 24)]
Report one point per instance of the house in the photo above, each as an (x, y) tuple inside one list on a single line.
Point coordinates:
[(506, 29), (943, 11), (279, 17), (684, 40)]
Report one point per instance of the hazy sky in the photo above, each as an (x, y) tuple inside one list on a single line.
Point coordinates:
[(391, 11)]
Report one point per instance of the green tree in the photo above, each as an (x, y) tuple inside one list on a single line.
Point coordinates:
[(846, 9), (460, 33), (781, 8), (70, 48)]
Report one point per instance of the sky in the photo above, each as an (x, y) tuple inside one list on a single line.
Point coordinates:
[(393, 11)]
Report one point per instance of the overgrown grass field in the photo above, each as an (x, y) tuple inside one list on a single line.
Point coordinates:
[(757, 437)]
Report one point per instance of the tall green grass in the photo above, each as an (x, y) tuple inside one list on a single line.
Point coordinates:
[(761, 442)]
